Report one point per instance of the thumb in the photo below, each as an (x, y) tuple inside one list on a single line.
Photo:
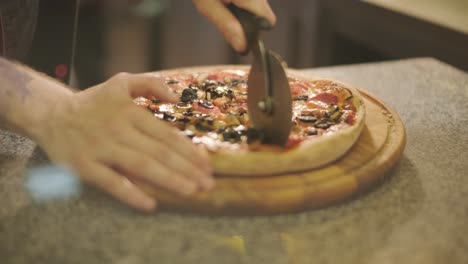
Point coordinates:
[(148, 85)]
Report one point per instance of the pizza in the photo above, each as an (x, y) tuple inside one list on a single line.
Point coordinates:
[(327, 119)]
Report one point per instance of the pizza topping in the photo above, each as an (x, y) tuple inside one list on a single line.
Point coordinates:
[(333, 108), (153, 107), (311, 131), (307, 118), (188, 95), (189, 133), (241, 111), (326, 98), (165, 108), (204, 124), (219, 125), (298, 88), (350, 118), (181, 118), (333, 112), (336, 116), (234, 83), (168, 117), (213, 109), (231, 120), (171, 81), (183, 107), (323, 124), (301, 98), (208, 84), (216, 90), (222, 103), (207, 104), (232, 135)]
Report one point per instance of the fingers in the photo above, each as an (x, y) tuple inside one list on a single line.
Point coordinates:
[(174, 161), (146, 85), (116, 185), (162, 132), (224, 20), (260, 8), (138, 165)]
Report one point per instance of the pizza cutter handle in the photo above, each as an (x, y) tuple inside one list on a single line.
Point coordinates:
[(251, 24)]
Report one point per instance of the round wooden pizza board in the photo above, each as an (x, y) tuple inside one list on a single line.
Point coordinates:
[(378, 148)]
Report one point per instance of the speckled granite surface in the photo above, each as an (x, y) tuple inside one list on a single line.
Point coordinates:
[(419, 214)]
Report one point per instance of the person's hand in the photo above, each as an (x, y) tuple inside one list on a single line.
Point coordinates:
[(224, 20), (110, 142)]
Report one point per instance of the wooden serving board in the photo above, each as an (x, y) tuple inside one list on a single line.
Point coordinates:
[(378, 148)]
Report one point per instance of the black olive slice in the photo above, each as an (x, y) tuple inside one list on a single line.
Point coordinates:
[(332, 109), (322, 125), (184, 119), (213, 92), (201, 125), (336, 116), (234, 82), (169, 117), (207, 104), (210, 120), (209, 84), (197, 114), (241, 111), (183, 105), (301, 98), (231, 135), (188, 95), (307, 118), (172, 81)]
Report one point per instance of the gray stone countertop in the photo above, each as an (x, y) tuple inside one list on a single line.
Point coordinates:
[(418, 214)]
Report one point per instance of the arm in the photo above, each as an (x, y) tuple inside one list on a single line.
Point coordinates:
[(19, 97), (224, 20), (101, 135)]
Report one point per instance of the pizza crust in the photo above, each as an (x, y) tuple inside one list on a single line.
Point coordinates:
[(310, 154)]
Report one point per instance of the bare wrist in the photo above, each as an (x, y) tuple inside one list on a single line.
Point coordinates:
[(40, 111)]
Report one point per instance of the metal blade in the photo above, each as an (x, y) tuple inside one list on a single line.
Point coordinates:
[(269, 97)]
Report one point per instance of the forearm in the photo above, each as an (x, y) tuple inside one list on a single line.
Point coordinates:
[(27, 98)]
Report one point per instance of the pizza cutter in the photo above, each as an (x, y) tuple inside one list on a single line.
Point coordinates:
[(269, 95)]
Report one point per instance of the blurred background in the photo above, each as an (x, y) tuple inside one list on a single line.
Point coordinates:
[(148, 35)]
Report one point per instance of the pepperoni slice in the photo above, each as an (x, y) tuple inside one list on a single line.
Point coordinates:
[(298, 88), (327, 98), (214, 77)]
